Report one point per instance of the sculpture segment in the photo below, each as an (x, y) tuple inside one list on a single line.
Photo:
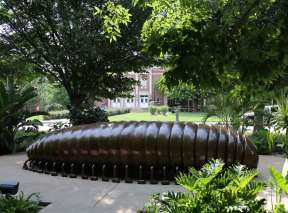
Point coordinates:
[(137, 150)]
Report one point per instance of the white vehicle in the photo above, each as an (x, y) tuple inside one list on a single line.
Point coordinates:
[(269, 108)]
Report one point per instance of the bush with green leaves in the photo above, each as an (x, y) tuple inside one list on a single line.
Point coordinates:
[(64, 114), (53, 115), (118, 112), (12, 113), (152, 110), (20, 203), (278, 183), (213, 188), (281, 119), (264, 141), (87, 115), (163, 110), (25, 138)]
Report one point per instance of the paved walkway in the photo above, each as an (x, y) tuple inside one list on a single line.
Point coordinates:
[(84, 196)]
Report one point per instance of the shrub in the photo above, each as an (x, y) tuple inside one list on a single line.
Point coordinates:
[(152, 110), (24, 138), (64, 114), (12, 113), (87, 115), (55, 107), (163, 110), (20, 203), (118, 112), (158, 110), (53, 115), (264, 141), (212, 189)]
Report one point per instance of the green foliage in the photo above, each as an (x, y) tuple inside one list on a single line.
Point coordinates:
[(25, 138), (159, 110), (12, 115), (118, 112), (62, 114), (113, 17), (87, 115), (67, 40), (163, 110), (228, 108), (264, 141), (281, 119), (279, 208), (50, 95), (212, 189), (203, 41), (20, 203), (152, 110), (280, 184), (182, 91)]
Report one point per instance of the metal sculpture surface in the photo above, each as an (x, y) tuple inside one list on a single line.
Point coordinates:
[(137, 150)]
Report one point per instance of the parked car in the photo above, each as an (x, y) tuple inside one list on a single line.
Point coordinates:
[(268, 109)]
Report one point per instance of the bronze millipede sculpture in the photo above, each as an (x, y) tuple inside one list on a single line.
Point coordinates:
[(137, 150)]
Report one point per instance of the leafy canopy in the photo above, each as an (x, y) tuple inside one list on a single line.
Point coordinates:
[(203, 41), (79, 43)]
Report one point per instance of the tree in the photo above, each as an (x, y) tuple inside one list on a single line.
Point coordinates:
[(78, 45), (202, 41), (15, 67), (50, 95), (12, 115), (181, 92)]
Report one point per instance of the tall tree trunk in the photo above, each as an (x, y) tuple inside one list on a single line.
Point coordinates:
[(83, 111)]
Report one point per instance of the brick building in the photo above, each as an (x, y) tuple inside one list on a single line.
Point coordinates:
[(143, 94)]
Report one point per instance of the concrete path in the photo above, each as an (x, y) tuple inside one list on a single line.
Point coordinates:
[(84, 196)]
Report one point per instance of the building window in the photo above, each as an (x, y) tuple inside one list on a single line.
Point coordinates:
[(129, 100), (144, 99), (143, 82)]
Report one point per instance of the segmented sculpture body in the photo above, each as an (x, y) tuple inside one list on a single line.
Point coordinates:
[(137, 149)]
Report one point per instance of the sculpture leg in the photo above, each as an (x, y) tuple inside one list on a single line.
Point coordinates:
[(72, 174), (177, 170), (115, 178), (25, 166), (127, 179), (63, 173), (140, 179), (39, 167), (94, 177), (30, 167), (32, 164), (54, 169), (46, 171), (83, 175), (165, 181), (152, 178), (104, 178)]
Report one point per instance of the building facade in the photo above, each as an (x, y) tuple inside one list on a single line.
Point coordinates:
[(143, 94)]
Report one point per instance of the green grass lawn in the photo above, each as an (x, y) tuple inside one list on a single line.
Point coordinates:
[(146, 116), (37, 117)]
